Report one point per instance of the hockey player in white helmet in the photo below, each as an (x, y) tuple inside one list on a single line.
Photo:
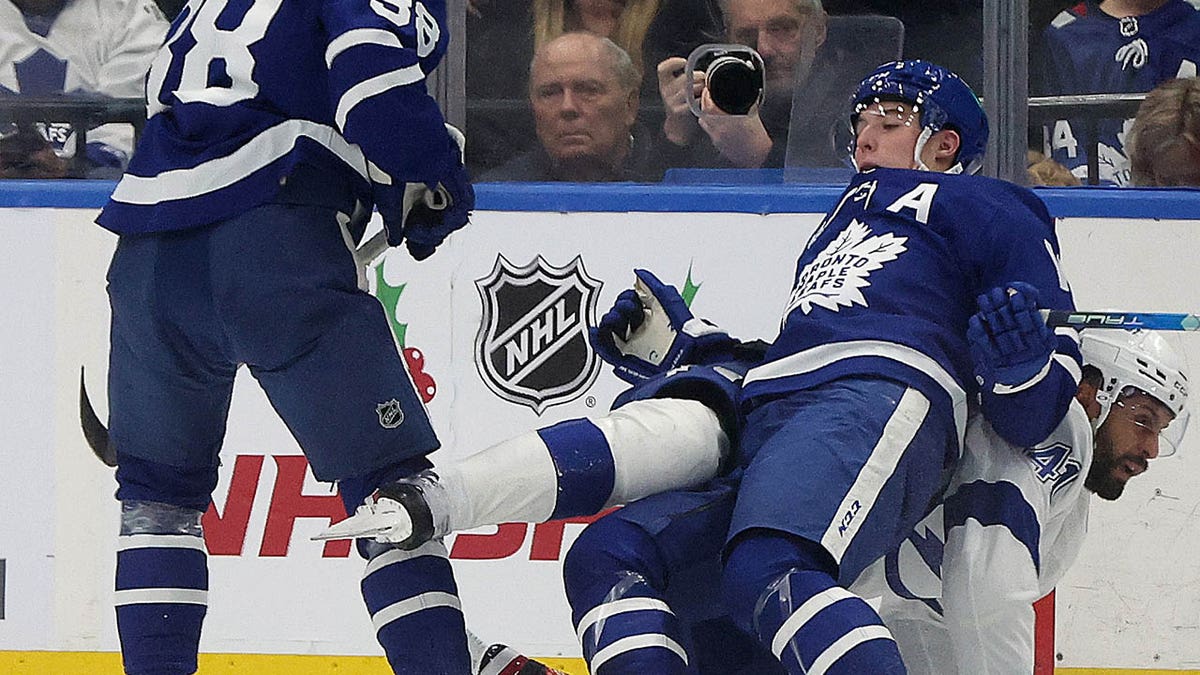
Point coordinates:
[(958, 594)]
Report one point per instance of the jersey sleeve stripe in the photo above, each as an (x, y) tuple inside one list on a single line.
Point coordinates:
[(360, 36), (215, 174), (373, 87), (1000, 503)]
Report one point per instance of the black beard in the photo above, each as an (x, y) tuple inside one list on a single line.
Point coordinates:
[(1100, 474), (1100, 480)]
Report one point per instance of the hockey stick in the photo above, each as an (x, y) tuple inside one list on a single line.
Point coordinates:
[(93, 429), (1127, 320)]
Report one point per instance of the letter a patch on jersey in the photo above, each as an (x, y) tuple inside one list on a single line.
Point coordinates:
[(836, 277)]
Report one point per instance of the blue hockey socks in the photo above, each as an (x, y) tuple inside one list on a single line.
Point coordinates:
[(414, 606), (782, 589), (613, 581), (161, 588)]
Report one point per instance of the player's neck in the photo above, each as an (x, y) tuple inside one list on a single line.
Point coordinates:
[(1123, 8)]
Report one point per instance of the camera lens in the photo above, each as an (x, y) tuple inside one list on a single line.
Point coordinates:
[(734, 84)]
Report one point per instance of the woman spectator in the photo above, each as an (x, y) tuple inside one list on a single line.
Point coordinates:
[(1164, 144)]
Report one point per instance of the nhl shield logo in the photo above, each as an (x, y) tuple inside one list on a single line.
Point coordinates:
[(391, 415), (532, 346)]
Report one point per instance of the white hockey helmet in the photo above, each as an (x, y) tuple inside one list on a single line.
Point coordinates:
[(1141, 359)]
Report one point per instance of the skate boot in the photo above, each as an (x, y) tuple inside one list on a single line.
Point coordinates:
[(504, 660), (397, 513)]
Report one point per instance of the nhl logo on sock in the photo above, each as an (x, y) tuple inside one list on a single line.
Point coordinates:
[(391, 415)]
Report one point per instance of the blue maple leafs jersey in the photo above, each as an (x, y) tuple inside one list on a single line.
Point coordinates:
[(1089, 52), (243, 91), (886, 286)]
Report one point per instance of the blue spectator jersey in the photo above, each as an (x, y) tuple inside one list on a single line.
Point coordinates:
[(244, 91), (887, 283), (1090, 52)]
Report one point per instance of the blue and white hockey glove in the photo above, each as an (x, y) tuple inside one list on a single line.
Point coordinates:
[(431, 211), (1011, 345), (650, 330)]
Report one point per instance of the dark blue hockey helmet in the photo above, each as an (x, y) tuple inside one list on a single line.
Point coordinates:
[(943, 100)]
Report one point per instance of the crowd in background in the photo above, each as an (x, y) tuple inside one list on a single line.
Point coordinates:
[(597, 90)]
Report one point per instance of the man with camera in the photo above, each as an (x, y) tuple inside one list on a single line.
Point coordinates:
[(788, 34)]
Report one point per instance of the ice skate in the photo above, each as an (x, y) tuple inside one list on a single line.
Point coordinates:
[(504, 660), (396, 514)]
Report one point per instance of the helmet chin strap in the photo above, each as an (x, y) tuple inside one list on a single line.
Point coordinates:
[(918, 163)]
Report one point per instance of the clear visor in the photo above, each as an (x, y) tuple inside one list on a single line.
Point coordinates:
[(1155, 418)]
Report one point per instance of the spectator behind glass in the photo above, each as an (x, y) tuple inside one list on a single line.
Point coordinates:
[(1112, 47), (788, 34), (1164, 143), (584, 93), (500, 44), (90, 47)]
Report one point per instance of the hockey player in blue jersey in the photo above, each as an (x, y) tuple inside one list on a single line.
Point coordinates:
[(909, 115), (271, 125), (1112, 47), (857, 414)]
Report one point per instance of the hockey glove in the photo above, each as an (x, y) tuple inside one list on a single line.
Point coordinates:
[(650, 330), (431, 211), (1011, 345)]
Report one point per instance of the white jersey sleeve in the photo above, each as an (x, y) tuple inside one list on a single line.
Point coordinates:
[(958, 594)]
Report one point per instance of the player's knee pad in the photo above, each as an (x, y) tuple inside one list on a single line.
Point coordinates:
[(615, 581), (414, 607), (161, 587), (631, 630), (605, 553), (756, 559), (800, 613)]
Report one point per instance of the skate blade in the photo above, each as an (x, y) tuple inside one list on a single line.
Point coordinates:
[(361, 526)]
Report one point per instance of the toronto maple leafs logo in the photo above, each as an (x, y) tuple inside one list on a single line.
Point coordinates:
[(1133, 55), (1113, 165), (836, 277)]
